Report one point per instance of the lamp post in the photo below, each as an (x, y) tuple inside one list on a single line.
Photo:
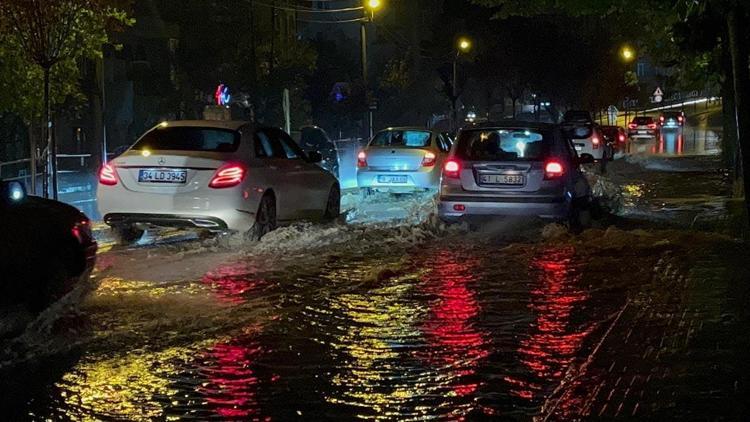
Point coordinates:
[(462, 46), (627, 55), (370, 7)]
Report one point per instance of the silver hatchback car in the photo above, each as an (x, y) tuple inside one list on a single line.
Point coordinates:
[(514, 169), (402, 160)]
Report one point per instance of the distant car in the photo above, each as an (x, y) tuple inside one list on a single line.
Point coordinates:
[(588, 139), (217, 176), (672, 120), (578, 116), (514, 169), (46, 247), (402, 160), (314, 138), (615, 136), (643, 127)]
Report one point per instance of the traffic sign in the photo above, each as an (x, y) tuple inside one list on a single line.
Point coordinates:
[(658, 92)]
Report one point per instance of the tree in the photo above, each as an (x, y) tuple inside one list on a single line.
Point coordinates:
[(47, 33)]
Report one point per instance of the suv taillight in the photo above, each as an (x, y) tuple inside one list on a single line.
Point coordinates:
[(228, 176), (107, 175), (429, 160), (595, 142), (452, 169), (553, 169), (632, 126), (652, 125), (361, 159)]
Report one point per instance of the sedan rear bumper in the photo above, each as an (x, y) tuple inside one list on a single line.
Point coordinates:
[(167, 220), (551, 207)]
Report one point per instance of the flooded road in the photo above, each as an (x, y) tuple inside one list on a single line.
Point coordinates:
[(402, 318)]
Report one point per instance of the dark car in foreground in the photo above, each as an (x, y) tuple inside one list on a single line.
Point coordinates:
[(45, 247), (514, 169)]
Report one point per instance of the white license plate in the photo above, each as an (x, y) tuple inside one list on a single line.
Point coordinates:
[(643, 132), (501, 179), (579, 147), (392, 179), (162, 176)]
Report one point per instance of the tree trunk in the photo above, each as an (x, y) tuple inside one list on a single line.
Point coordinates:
[(51, 143), (32, 160), (741, 80)]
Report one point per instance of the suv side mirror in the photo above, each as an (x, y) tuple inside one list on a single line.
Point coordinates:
[(585, 159), (12, 191), (314, 157)]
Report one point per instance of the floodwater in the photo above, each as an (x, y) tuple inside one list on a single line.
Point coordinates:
[(401, 318)]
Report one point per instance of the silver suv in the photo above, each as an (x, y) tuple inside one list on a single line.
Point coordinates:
[(514, 169)]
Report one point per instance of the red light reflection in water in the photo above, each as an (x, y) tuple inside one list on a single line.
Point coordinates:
[(232, 282), (455, 345), (554, 342), (231, 385)]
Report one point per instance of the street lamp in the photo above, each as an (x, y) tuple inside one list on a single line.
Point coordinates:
[(627, 53), (462, 46), (369, 7)]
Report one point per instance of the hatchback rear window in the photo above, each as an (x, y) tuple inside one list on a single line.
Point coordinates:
[(503, 145), (402, 138), (643, 120), (189, 139)]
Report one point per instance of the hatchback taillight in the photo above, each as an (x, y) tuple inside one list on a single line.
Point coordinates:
[(228, 176), (107, 175), (595, 142), (361, 159), (429, 160), (553, 169), (452, 169)]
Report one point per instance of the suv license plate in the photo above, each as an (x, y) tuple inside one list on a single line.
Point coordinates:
[(501, 179), (162, 176), (391, 179)]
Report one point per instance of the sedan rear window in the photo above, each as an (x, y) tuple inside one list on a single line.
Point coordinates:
[(402, 138), (185, 138), (503, 145)]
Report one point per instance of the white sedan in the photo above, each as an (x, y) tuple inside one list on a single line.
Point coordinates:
[(214, 175)]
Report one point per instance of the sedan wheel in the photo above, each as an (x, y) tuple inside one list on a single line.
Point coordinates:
[(333, 205), (265, 219)]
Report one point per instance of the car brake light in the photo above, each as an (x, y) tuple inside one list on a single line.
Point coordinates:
[(595, 141), (680, 119), (553, 169), (227, 176), (81, 231), (622, 138), (451, 169), (429, 160), (652, 125), (632, 126), (361, 159), (107, 175), (661, 118)]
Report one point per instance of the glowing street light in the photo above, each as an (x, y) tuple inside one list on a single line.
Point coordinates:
[(627, 53), (373, 5), (464, 45)]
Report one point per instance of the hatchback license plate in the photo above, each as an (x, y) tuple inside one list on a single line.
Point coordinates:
[(162, 176), (501, 179), (643, 132), (391, 179)]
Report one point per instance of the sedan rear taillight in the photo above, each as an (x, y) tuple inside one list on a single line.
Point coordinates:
[(82, 231), (452, 169), (107, 175), (429, 160), (553, 169), (362, 159), (228, 176)]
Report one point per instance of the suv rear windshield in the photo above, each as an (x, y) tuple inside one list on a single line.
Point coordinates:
[(184, 138), (577, 116), (643, 120), (402, 138), (506, 144)]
